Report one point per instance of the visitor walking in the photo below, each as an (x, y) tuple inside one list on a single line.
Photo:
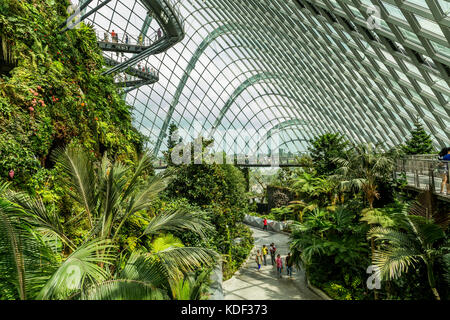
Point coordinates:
[(272, 250), (127, 40), (105, 37), (289, 264), (265, 224), (264, 253), (258, 259), (279, 266), (114, 37), (444, 155), (140, 40), (159, 33)]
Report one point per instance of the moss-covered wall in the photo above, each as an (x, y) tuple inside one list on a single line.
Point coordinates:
[(56, 95)]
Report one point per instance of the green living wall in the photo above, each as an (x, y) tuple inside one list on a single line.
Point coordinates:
[(56, 94)]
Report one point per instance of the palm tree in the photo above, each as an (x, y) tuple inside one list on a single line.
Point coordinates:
[(414, 240), (362, 168), (31, 236)]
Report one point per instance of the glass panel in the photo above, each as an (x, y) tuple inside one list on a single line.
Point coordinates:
[(429, 25)]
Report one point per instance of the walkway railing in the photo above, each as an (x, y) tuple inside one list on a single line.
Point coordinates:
[(123, 42), (133, 78), (262, 161), (170, 20), (423, 172), (172, 25)]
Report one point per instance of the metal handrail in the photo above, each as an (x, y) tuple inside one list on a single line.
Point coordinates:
[(120, 38), (431, 167)]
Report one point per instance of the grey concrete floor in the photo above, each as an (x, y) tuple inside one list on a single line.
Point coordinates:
[(250, 284)]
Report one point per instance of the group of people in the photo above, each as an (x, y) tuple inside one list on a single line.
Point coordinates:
[(126, 40), (444, 156), (147, 70), (275, 259)]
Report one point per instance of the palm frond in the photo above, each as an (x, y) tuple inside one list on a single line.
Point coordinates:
[(141, 199), (123, 289), (190, 287), (25, 259), (142, 267), (4, 186), (12, 262), (145, 163), (76, 164), (394, 261), (394, 237), (36, 214), (178, 220), (79, 269), (186, 259)]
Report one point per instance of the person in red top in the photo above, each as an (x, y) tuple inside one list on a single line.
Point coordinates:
[(265, 224), (114, 36), (279, 265)]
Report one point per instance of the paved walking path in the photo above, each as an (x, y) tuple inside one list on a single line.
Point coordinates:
[(250, 284)]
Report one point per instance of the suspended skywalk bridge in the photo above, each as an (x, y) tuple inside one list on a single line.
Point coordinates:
[(172, 25), (171, 32), (134, 77), (260, 161)]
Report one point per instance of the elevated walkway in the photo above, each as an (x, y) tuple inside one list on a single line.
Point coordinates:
[(134, 77), (423, 172), (172, 25), (261, 162), (172, 32), (125, 43)]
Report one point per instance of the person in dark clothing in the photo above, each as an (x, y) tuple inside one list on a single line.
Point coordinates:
[(289, 265), (272, 251)]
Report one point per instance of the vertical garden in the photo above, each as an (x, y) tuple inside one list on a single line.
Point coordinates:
[(82, 213)]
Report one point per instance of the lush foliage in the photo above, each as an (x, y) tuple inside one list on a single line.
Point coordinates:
[(56, 94), (332, 238), (219, 190), (91, 253), (350, 219), (82, 222), (324, 149)]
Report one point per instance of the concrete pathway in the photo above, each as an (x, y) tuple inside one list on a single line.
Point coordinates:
[(250, 284)]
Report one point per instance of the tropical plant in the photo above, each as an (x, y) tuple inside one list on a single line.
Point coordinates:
[(312, 188), (363, 168), (413, 241), (328, 233), (282, 213), (108, 195)]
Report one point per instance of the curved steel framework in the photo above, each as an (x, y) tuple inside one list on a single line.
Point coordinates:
[(365, 68)]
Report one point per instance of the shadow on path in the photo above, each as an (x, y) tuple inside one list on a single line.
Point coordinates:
[(251, 284)]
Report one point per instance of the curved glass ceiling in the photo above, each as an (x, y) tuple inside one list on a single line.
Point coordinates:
[(298, 67)]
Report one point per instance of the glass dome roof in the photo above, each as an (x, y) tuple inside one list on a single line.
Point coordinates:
[(302, 68)]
